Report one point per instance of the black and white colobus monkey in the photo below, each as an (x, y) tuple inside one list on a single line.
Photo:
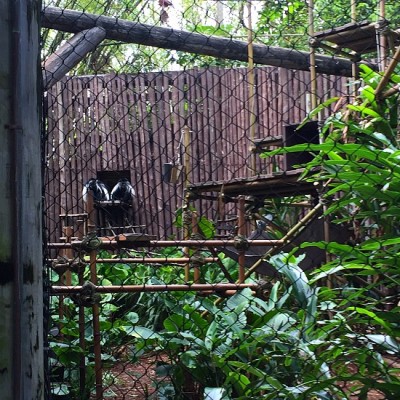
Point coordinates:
[(98, 188), (123, 191)]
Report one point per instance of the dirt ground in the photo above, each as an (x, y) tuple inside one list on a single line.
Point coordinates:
[(137, 382)]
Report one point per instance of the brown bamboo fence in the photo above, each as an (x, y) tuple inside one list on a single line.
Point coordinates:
[(134, 123)]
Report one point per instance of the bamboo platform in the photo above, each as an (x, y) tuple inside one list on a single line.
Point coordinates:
[(281, 184), (359, 37)]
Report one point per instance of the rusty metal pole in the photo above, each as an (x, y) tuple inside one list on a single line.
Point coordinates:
[(96, 331), (195, 230), (241, 232), (186, 164), (95, 308)]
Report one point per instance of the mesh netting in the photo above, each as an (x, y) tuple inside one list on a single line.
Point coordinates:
[(220, 200)]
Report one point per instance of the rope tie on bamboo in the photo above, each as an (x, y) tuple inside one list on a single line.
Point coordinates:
[(77, 266), (63, 264), (187, 216), (263, 288), (60, 265), (89, 243), (197, 259), (87, 296), (241, 243)]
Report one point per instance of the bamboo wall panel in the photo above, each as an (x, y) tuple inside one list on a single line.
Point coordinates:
[(135, 123)]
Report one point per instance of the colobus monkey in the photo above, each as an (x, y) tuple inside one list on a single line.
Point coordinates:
[(99, 189), (123, 191)]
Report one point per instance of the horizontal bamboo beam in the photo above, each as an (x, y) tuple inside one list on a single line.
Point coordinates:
[(147, 260), (174, 39), (171, 243), (196, 287)]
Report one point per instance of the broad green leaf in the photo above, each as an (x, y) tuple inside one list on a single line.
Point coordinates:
[(189, 358), (386, 341), (144, 333), (373, 317)]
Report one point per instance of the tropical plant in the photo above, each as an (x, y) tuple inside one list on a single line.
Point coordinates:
[(358, 165), (249, 347)]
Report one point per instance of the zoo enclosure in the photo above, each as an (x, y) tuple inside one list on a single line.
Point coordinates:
[(93, 120), (135, 124)]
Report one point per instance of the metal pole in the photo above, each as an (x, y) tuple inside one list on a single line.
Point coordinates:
[(219, 287), (241, 232)]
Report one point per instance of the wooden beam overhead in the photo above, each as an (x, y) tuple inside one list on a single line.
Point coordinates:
[(173, 39)]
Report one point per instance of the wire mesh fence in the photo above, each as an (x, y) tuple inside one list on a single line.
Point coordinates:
[(221, 190)]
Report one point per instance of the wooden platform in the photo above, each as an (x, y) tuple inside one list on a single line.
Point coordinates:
[(359, 37), (275, 185)]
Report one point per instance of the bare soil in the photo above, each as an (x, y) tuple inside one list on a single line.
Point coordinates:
[(138, 381)]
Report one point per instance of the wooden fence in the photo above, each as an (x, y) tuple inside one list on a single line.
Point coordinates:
[(134, 123)]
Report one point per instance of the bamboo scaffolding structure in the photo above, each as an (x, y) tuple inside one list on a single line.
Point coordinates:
[(196, 287), (290, 234)]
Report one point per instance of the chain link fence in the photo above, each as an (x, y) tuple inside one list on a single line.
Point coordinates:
[(221, 190)]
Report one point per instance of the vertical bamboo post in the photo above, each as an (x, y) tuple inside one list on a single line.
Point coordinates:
[(82, 344), (186, 165), (354, 67), (195, 230), (313, 74), (68, 253), (251, 85), (241, 232), (382, 39), (95, 307), (81, 321), (96, 331)]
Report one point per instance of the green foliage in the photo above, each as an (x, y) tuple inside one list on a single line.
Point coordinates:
[(251, 347), (358, 162)]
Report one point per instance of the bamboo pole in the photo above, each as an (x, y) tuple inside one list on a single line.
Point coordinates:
[(241, 232), (388, 72), (96, 331), (195, 230), (382, 39), (82, 343), (186, 164), (196, 287), (95, 307), (313, 74), (251, 81), (355, 68), (171, 243), (290, 234)]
